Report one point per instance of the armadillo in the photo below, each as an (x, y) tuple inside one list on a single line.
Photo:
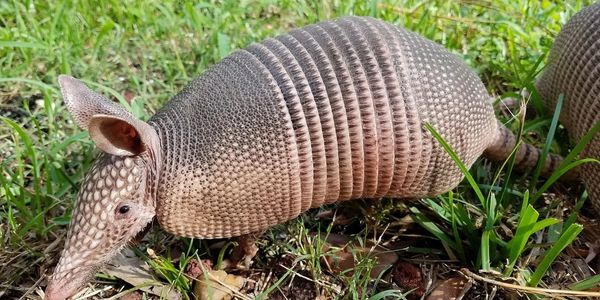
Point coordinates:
[(573, 70), (330, 112)]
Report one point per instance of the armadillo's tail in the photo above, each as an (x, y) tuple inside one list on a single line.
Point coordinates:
[(527, 156)]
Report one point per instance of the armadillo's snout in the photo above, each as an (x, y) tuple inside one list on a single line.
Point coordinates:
[(66, 283), (112, 208), (58, 291)]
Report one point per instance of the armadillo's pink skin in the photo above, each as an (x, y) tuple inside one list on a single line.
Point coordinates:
[(574, 71)]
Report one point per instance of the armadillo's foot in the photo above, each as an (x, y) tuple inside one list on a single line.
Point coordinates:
[(243, 253)]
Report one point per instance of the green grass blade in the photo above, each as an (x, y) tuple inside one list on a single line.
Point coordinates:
[(511, 159), (459, 163), (549, 138), (567, 163), (558, 173), (485, 251), (573, 216), (441, 211), (491, 212), (519, 241), (459, 245), (31, 155), (60, 147), (389, 294), (565, 239), (586, 284), (20, 44), (430, 226), (264, 294), (29, 81)]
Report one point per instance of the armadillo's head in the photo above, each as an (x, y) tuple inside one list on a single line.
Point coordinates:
[(116, 200)]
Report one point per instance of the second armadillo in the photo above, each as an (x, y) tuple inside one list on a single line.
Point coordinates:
[(574, 71), (330, 112)]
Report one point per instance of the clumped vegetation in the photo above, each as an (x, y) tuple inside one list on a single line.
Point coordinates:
[(513, 235)]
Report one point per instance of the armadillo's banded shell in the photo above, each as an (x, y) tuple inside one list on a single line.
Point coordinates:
[(333, 111), (574, 71)]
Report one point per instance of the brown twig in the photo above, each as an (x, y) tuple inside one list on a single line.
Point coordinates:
[(528, 289)]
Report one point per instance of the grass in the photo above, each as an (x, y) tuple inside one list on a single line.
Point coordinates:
[(142, 52)]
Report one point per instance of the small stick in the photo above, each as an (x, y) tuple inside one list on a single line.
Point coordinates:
[(528, 289)]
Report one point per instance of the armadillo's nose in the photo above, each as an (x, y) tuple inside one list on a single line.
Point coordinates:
[(60, 291), (54, 293)]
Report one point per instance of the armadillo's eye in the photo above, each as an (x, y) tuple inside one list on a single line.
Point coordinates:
[(124, 209)]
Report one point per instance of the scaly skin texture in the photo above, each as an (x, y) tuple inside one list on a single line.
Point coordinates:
[(574, 71), (330, 112)]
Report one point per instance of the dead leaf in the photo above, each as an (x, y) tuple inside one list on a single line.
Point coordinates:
[(450, 288), (128, 95), (195, 268), (336, 217), (217, 285), (594, 248), (342, 255), (408, 277), (135, 295), (128, 267)]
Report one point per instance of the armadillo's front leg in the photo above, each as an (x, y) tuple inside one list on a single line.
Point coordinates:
[(243, 252)]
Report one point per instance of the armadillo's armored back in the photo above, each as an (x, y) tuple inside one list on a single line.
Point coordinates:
[(574, 71), (333, 111)]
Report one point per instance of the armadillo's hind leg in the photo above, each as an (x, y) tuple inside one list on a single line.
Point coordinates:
[(527, 156)]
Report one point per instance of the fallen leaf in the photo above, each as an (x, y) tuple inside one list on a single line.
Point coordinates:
[(135, 295), (128, 95), (129, 268), (594, 248), (341, 255), (409, 278), (217, 285), (195, 267), (450, 288)]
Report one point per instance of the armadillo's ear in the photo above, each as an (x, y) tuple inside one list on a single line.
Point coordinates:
[(84, 103), (111, 126), (121, 136)]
